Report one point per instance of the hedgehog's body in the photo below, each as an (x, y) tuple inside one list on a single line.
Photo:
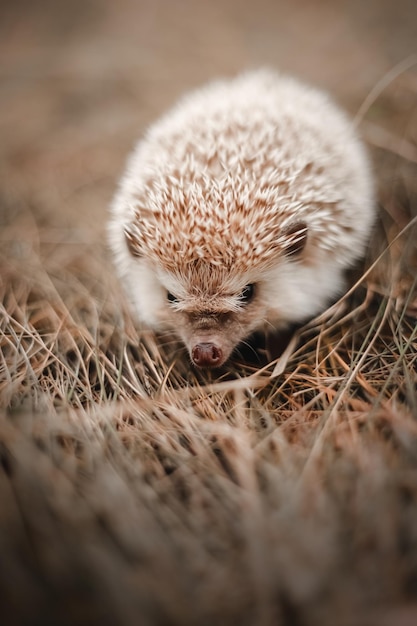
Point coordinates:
[(241, 207)]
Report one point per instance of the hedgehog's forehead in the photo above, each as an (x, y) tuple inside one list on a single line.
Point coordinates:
[(216, 261), (204, 285), (227, 276)]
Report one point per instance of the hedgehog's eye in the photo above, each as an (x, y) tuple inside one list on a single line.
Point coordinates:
[(247, 294), (171, 297)]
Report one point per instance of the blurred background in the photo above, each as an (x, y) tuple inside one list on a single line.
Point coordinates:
[(81, 79)]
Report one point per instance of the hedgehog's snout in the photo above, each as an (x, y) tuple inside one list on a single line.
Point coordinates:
[(207, 355)]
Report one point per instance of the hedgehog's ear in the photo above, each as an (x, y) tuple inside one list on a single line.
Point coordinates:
[(295, 238), (132, 243)]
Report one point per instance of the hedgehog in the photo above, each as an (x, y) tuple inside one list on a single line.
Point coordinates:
[(240, 210)]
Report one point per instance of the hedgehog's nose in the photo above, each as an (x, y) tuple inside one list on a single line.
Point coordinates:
[(206, 355)]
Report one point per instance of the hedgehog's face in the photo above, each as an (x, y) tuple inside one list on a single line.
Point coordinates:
[(212, 308), (209, 324), (212, 325)]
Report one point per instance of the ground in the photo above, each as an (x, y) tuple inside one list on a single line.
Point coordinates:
[(134, 490)]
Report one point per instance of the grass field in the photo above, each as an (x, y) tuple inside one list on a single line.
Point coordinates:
[(134, 490)]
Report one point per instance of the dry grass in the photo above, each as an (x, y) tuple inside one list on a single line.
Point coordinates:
[(134, 490), (130, 486)]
